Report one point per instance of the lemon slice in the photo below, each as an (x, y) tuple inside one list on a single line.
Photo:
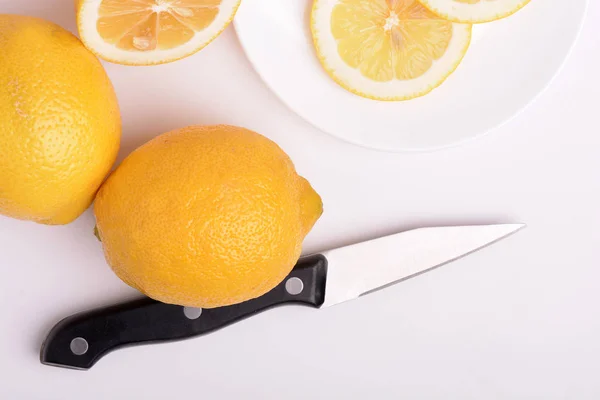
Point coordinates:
[(386, 49), (144, 32), (474, 11)]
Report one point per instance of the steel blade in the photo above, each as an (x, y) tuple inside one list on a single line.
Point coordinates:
[(364, 267)]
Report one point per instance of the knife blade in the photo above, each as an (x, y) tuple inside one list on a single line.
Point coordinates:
[(318, 280)]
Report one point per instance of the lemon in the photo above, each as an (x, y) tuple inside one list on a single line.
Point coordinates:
[(205, 216), (59, 122), (145, 32), (386, 49), (474, 11)]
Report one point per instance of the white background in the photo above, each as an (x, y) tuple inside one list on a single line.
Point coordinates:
[(518, 320)]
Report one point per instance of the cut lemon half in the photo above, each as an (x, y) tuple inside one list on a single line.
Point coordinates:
[(474, 11), (145, 32), (386, 49)]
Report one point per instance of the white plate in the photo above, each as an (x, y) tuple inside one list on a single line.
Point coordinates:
[(508, 64)]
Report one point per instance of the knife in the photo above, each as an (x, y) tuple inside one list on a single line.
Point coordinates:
[(319, 281)]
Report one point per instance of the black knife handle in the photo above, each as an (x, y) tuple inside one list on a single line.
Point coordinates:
[(94, 333)]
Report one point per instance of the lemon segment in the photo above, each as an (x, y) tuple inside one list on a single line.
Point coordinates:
[(144, 32), (474, 11), (386, 49)]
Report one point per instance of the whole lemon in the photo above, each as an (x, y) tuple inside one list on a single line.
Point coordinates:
[(205, 216), (59, 122)]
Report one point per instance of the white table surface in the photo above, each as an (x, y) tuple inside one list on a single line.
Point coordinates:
[(518, 320)]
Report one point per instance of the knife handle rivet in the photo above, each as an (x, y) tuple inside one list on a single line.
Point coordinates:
[(79, 346), (192, 312), (294, 286)]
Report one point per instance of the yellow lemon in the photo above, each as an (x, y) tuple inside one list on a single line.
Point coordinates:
[(386, 49), (59, 122), (474, 11), (145, 32), (205, 216)]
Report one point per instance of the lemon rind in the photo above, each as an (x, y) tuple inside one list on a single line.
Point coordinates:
[(473, 20), (467, 31), (87, 10)]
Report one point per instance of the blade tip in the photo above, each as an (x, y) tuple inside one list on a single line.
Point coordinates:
[(517, 227), (506, 230)]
